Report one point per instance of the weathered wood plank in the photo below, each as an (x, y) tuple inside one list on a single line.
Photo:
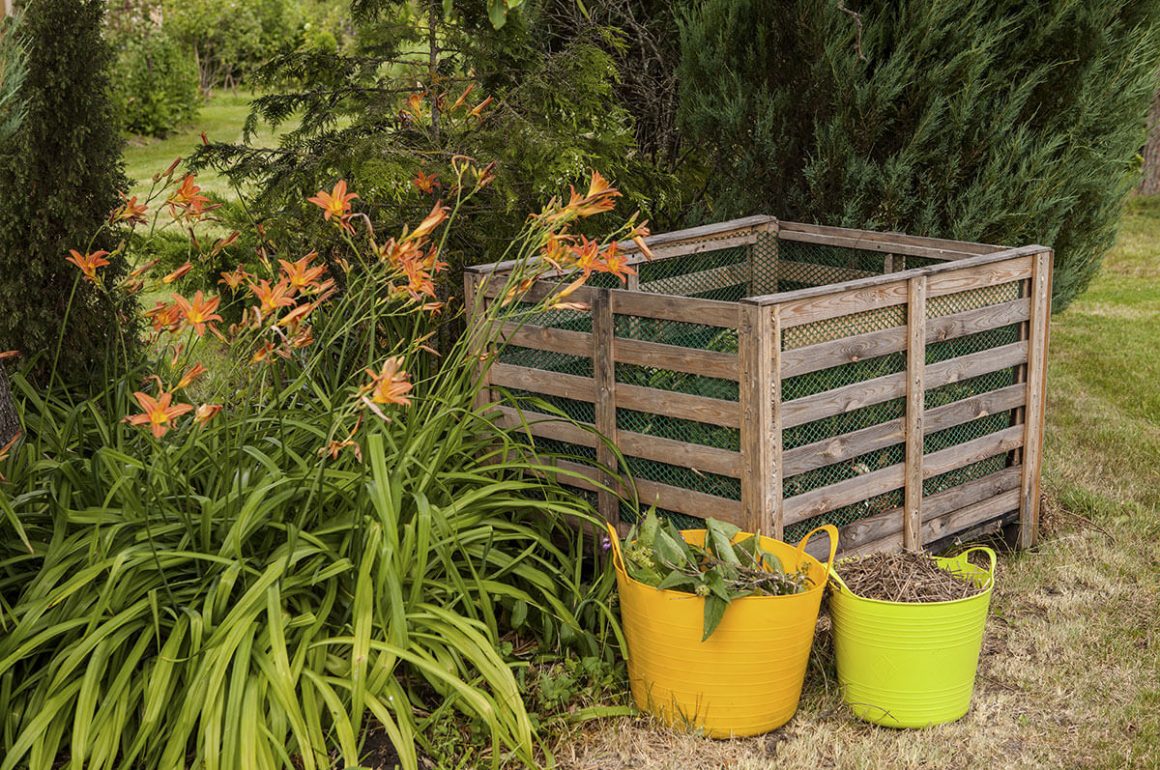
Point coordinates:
[(706, 363), (848, 445), (915, 412), (860, 394), (701, 458), (703, 280), (756, 369), (979, 276), (970, 516), (548, 426), (969, 452), (712, 411), (847, 350), (694, 246), (496, 286), (604, 376), (865, 244), (545, 382), (546, 338), (689, 502), (841, 302), (981, 319), (771, 354), (827, 498), (707, 312), (884, 236), (1036, 397)]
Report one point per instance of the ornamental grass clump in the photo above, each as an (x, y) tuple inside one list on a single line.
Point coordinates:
[(724, 569), (263, 539)]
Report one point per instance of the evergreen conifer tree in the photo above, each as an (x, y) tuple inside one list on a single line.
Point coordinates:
[(59, 177), (1001, 122)]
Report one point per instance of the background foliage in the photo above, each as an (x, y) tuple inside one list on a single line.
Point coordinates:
[(12, 72), (1000, 122)]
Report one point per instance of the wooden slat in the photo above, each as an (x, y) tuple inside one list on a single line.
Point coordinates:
[(915, 412), (772, 356), (847, 350), (978, 320), (832, 304), (704, 280), (848, 445), (706, 363), (688, 502), (604, 376), (548, 426), (875, 391), (979, 276), (712, 411), (831, 496), (864, 244), (546, 338), (545, 382), (756, 356), (1036, 398), (695, 246), (707, 312), (540, 290), (701, 458), (881, 236), (887, 526), (969, 452), (808, 272), (970, 516), (877, 282)]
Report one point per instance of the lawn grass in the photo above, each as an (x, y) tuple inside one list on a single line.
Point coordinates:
[(221, 118), (1070, 672)]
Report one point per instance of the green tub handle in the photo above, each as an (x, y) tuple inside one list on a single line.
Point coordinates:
[(962, 558)]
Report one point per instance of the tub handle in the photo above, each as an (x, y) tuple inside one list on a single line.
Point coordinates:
[(830, 530), (617, 556), (962, 557)]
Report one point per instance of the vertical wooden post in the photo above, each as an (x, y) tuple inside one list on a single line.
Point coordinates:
[(915, 406), (1036, 396), (759, 343), (474, 302), (604, 372)]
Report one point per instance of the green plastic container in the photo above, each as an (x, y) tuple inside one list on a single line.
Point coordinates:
[(911, 664)]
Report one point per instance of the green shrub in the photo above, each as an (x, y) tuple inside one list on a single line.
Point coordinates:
[(351, 544), (13, 66), (59, 177), (1000, 122), (155, 84)]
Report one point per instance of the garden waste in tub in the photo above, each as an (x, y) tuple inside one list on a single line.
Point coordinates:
[(720, 622)]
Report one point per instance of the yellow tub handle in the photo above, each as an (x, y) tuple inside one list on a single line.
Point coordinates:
[(830, 530), (617, 556), (962, 558)]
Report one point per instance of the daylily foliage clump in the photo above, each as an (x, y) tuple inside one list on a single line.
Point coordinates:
[(290, 514)]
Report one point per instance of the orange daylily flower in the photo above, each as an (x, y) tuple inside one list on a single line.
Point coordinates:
[(4, 356), (88, 263), (304, 338), (205, 413), (335, 204), (298, 314), (159, 414), (598, 200), (187, 379), (477, 111), (463, 97), (223, 243), (273, 297), (165, 317), (615, 264), (233, 279), (300, 274), (426, 183), (437, 216), (187, 199), (178, 274), (200, 312), (143, 269), (263, 352), (391, 385), (129, 211)]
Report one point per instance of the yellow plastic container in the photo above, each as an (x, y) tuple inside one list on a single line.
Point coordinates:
[(746, 678), (911, 664)]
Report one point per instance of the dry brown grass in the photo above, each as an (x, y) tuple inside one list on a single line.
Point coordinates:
[(1070, 672)]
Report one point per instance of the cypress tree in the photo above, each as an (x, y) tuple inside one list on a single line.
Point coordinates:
[(1001, 122), (59, 177)]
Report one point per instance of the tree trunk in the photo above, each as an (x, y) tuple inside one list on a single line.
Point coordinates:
[(1150, 182)]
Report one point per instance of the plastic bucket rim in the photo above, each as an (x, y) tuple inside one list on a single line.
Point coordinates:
[(838, 585)]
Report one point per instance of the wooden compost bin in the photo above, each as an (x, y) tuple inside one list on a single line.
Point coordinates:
[(782, 375)]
